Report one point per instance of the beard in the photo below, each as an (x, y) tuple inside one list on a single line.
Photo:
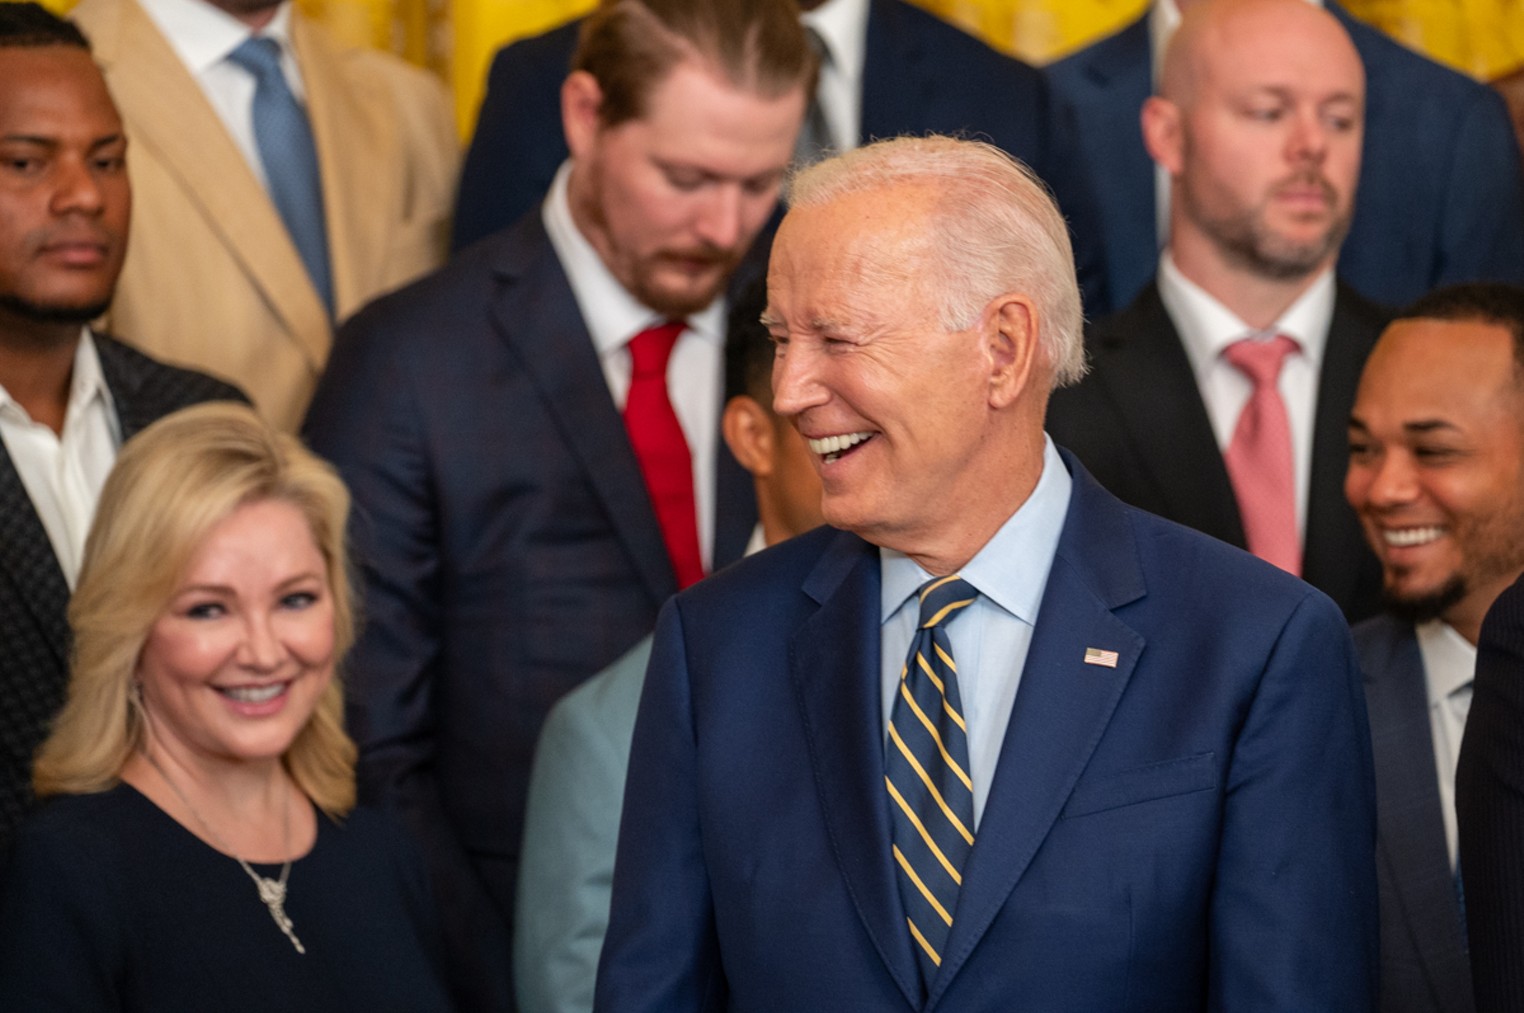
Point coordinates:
[(1421, 608), (1245, 240), (52, 313)]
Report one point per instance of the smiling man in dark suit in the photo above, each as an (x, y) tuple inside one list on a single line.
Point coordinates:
[(1002, 742), (1258, 123), (68, 396), (532, 434), (1436, 473)]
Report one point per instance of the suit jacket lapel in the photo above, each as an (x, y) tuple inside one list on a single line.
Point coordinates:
[(1411, 828), (1149, 376), (1061, 711), (167, 113), (537, 315), (834, 660)]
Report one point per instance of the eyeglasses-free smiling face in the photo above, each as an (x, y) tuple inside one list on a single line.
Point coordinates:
[(232, 669)]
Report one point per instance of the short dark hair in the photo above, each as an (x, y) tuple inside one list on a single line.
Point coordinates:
[(749, 348), (27, 25), (629, 47), (1484, 301)]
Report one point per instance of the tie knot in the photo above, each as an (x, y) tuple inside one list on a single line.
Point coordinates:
[(260, 56), (652, 347), (942, 598), (1260, 359)]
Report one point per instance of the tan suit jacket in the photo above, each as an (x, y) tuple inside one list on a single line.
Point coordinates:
[(212, 279)]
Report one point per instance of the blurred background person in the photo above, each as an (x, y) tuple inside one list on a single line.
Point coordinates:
[(283, 180), (576, 789), (69, 395), (1436, 475), (1441, 189), (201, 849), (1258, 122)]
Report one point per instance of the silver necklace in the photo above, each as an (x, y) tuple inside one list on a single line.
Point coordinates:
[(271, 891)]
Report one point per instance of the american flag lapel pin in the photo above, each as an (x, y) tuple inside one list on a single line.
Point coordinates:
[(1096, 656)]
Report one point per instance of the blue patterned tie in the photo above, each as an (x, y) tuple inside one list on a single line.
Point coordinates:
[(289, 156), (931, 795)]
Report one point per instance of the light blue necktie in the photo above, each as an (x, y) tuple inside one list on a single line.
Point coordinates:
[(926, 769), (286, 149)]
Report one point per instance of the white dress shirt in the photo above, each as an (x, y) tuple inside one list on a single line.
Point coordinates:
[(203, 36), (695, 373), (991, 637), (63, 472), (1449, 666), (1207, 327), (843, 27)]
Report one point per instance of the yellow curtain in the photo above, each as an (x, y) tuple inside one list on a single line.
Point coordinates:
[(1483, 38)]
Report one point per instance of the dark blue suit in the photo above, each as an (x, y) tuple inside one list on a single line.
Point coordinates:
[(509, 551), (1440, 198), (1190, 830), (1424, 967), (921, 75)]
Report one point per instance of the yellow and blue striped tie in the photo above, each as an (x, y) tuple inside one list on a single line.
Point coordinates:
[(931, 793)]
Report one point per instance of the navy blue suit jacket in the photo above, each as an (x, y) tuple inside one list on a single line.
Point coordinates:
[(1139, 424), (1424, 967), (1192, 829), (1441, 193), (509, 551), (921, 75)]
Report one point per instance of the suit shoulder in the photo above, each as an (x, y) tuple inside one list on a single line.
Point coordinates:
[(953, 47), (1108, 51), (539, 57), (175, 386), (781, 568)]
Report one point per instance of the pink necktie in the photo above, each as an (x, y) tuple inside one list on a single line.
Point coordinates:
[(661, 449), (1259, 455)]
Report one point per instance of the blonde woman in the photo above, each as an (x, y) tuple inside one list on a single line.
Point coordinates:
[(199, 848)]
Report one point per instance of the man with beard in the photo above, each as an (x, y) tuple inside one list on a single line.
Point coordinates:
[(527, 492), (1436, 474), (1219, 398), (69, 396)]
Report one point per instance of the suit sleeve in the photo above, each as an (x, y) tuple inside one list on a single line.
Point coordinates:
[(365, 419), (662, 952), (1482, 226), (571, 831), (1294, 910), (1490, 807)]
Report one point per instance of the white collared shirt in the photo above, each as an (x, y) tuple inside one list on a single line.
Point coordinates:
[(63, 472), (695, 373), (843, 27), (1207, 327), (203, 36), (991, 637), (1449, 666)]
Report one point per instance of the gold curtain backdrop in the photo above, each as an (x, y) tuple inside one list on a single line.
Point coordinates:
[(457, 38)]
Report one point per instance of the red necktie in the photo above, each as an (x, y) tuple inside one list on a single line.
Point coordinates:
[(657, 438), (1259, 455)]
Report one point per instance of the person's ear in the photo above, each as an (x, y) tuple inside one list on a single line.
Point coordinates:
[(1010, 327), (748, 431), (1164, 133), (581, 100)]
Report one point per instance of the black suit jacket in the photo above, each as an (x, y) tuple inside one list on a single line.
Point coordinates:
[(920, 75), (34, 596), (509, 551), (1489, 804), (1424, 968), (1138, 423)]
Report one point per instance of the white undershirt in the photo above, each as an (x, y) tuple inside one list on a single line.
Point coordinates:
[(843, 27), (63, 472), (695, 373), (1207, 327), (203, 36), (1449, 666)]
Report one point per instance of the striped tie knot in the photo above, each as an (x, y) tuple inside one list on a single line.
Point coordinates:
[(942, 598)]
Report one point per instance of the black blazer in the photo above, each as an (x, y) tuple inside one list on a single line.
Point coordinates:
[(920, 75), (1423, 946), (1489, 803), (508, 548), (1138, 423), (34, 596)]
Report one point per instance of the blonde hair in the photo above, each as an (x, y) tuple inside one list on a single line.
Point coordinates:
[(171, 485)]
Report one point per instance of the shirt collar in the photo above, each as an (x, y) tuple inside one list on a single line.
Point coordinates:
[(1449, 659), (611, 313), (1030, 535), (1206, 326), (843, 26), (203, 35)]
